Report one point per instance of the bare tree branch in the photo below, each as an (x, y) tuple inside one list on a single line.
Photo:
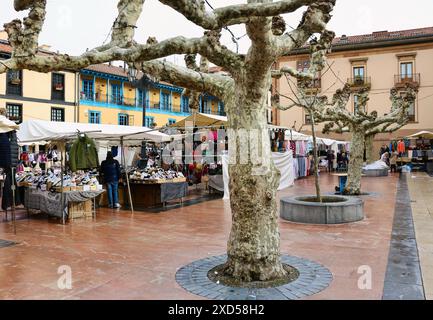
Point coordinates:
[(314, 20), (215, 84), (195, 11)]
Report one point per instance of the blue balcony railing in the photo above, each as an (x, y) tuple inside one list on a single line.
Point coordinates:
[(88, 96)]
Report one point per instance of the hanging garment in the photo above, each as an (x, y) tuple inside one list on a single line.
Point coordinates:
[(5, 151), (42, 158), (24, 157), (401, 147), (83, 154), (293, 147)]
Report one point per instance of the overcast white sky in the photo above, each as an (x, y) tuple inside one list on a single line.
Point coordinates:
[(74, 25)]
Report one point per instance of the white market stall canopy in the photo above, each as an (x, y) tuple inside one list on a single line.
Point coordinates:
[(423, 134), (201, 120), (38, 130), (7, 125)]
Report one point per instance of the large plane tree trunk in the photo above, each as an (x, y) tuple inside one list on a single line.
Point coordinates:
[(353, 186), (254, 244), (369, 154)]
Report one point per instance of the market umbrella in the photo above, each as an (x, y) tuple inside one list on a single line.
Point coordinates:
[(7, 125), (424, 134)]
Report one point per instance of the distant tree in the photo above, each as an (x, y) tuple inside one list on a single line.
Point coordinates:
[(363, 125)]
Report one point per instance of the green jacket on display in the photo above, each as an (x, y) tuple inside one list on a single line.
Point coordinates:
[(83, 154)]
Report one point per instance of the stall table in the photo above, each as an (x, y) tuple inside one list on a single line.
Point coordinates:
[(146, 194), (51, 202)]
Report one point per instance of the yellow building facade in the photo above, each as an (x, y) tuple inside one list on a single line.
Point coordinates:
[(106, 96), (29, 95), (97, 94)]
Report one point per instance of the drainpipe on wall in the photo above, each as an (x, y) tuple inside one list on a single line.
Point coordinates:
[(77, 98)]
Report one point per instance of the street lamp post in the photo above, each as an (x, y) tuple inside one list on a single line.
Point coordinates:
[(140, 84)]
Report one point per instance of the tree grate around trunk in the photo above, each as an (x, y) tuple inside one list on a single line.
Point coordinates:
[(313, 278)]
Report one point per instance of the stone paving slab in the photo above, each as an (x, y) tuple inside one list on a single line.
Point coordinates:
[(403, 280), (421, 194)]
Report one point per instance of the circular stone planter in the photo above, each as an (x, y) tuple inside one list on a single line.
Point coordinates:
[(334, 210), (376, 172)]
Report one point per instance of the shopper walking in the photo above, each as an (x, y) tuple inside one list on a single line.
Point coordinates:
[(330, 156), (110, 171), (393, 161)]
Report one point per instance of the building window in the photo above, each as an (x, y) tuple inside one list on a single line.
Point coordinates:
[(221, 106), (411, 112), (165, 101), (303, 66), (88, 90), (359, 74), (141, 98), (123, 119), (94, 117), (185, 104), (14, 112), (58, 87), (58, 114), (14, 84), (116, 94), (171, 121), (406, 70), (205, 106), (308, 119), (149, 121)]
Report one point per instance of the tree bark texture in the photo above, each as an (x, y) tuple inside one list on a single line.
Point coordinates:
[(369, 154), (356, 162), (316, 159), (254, 245)]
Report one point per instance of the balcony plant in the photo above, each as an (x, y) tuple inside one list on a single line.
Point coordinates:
[(359, 80), (15, 80), (58, 86)]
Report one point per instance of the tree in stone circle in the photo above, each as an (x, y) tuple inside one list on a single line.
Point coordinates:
[(254, 243)]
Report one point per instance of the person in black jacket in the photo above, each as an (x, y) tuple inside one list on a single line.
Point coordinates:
[(110, 171)]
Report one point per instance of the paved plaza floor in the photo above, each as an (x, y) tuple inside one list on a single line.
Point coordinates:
[(136, 256)]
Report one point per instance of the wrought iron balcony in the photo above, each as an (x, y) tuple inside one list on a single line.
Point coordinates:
[(403, 80), (359, 82), (310, 85)]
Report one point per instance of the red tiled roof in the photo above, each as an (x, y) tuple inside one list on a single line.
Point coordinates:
[(106, 68), (5, 47), (383, 36)]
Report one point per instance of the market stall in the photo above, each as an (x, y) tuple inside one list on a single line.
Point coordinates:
[(414, 151), (106, 135), (154, 186)]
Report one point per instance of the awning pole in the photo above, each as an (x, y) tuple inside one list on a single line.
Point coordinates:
[(127, 176)]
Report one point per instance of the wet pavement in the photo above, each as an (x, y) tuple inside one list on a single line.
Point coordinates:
[(136, 256), (421, 194)]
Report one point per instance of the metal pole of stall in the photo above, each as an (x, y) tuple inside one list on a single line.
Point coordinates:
[(13, 187), (127, 175)]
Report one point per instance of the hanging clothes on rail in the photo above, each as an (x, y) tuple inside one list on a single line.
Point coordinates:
[(83, 154)]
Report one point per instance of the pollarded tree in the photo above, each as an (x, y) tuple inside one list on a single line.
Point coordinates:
[(362, 125), (254, 243)]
